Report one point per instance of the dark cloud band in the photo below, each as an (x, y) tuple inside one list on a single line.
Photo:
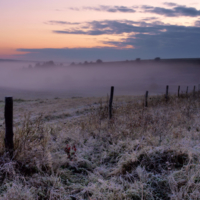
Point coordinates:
[(142, 35), (174, 11), (114, 27), (61, 23), (111, 9)]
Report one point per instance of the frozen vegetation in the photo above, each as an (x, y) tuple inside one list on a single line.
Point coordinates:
[(69, 149)]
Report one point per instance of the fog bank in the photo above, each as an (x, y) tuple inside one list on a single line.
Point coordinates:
[(129, 78)]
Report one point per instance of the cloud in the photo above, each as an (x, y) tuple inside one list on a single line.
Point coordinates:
[(78, 54), (111, 27), (117, 27), (172, 38), (170, 4), (111, 9), (149, 18), (146, 7), (146, 40), (142, 35), (176, 10), (79, 32), (197, 23), (61, 23), (75, 9), (173, 12), (175, 44)]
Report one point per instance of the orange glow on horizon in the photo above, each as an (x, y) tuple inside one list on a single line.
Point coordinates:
[(10, 45), (9, 52), (26, 24)]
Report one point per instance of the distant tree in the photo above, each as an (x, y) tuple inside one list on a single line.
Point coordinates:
[(86, 62), (72, 64), (127, 60), (45, 64), (49, 63), (37, 65), (137, 59), (99, 61), (157, 59)]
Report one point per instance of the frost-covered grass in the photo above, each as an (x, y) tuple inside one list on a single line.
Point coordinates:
[(141, 153)]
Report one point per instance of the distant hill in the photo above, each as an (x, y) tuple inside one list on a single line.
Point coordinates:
[(158, 59), (10, 60), (139, 61)]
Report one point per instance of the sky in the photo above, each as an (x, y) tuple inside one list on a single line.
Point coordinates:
[(87, 30)]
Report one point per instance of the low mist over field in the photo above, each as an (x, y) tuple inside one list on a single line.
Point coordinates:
[(50, 80)]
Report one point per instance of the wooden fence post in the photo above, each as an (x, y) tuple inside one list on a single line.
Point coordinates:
[(194, 90), (9, 124), (167, 92), (146, 99), (187, 91), (179, 90), (110, 102), (198, 89)]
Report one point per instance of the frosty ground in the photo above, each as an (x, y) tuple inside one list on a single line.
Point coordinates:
[(68, 149)]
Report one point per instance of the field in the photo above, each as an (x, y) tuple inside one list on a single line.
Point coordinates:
[(67, 148)]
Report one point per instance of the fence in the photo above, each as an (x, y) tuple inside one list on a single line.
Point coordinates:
[(178, 93), (9, 146)]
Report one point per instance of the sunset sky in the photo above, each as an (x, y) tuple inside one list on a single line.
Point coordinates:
[(79, 30)]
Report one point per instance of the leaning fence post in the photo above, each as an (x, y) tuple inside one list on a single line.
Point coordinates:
[(194, 90), (146, 99), (110, 102), (179, 90), (167, 92), (9, 124)]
